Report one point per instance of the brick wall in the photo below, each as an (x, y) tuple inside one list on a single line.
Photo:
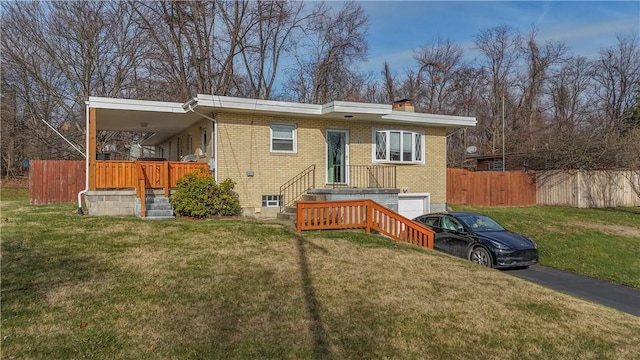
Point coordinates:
[(244, 145)]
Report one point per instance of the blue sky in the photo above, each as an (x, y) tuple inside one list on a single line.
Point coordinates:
[(397, 28)]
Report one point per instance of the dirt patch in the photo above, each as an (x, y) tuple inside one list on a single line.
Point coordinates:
[(627, 231)]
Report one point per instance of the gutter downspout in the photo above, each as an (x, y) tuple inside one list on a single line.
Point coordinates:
[(215, 132), (86, 170)]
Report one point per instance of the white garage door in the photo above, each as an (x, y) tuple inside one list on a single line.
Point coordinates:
[(413, 205)]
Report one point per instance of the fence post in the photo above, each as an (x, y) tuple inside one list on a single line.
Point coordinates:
[(369, 214), (299, 217)]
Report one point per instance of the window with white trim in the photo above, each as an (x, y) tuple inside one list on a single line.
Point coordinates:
[(189, 144), (283, 137), (398, 146), (179, 145), (495, 165), (271, 200), (203, 139)]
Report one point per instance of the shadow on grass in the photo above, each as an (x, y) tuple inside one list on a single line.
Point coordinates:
[(316, 327)]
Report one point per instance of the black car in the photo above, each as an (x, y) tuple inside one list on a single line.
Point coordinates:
[(480, 239)]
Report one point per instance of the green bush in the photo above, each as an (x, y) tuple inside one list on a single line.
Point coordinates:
[(198, 196), (225, 200)]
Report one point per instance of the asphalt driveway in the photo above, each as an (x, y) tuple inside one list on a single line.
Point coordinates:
[(619, 297)]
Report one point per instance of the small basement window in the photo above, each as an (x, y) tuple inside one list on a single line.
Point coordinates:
[(271, 200)]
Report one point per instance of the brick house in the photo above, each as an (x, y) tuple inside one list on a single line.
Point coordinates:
[(277, 151)]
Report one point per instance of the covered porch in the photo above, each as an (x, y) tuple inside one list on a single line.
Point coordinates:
[(122, 187)]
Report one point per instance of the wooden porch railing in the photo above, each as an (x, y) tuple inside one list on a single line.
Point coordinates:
[(116, 174), (361, 214), (143, 175)]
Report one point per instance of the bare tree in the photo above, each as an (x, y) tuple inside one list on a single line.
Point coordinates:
[(500, 47), (389, 81), (617, 74), (335, 43), (57, 54), (438, 64), (276, 35), (567, 90), (180, 34), (539, 60)]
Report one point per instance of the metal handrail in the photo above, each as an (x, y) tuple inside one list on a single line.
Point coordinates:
[(366, 176), (292, 190)]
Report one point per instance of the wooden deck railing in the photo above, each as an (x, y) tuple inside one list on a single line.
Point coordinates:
[(143, 175), (116, 174), (361, 214)]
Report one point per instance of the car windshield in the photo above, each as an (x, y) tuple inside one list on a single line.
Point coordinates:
[(480, 223)]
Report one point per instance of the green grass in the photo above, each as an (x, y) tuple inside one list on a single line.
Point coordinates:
[(601, 243), (123, 288)]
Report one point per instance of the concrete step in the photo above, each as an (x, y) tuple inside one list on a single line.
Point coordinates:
[(290, 210), (159, 218), (155, 213), (158, 206), (287, 216), (157, 200), (314, 197)]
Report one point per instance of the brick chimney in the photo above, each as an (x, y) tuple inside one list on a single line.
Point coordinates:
[(403, 105)]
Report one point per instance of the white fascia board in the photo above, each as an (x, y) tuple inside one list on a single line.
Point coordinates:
[(257, 105), (135, 105), (431, 119), (355, 108)]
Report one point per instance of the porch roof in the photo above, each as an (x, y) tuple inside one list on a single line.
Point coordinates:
[(164, 119)]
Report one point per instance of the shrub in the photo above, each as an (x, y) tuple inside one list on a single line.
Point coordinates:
[(225, 200), (198, 196)]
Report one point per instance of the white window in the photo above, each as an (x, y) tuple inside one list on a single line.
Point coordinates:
[(283, 138), (495, 165), (189, 144), (398, 146), (203, 139), (271, 200), (179, 145)]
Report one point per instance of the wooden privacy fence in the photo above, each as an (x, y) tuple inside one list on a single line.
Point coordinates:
[(361, 214), (491, 188), (55, 181), (588, 189)]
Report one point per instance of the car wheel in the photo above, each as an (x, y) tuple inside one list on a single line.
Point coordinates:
[(481, 256)]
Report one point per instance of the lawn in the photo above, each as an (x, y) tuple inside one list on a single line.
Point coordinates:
[(601, 243), (125, 288)]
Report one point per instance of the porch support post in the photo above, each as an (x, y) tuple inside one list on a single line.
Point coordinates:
[(91, 151)]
